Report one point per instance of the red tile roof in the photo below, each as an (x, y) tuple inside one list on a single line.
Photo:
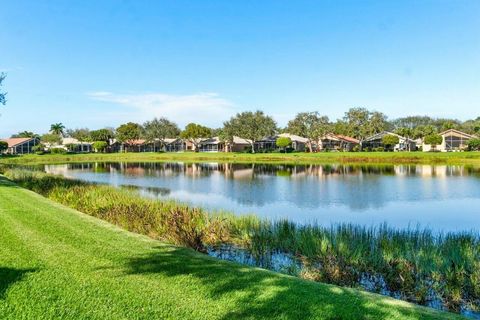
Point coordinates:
[(346, 138), (12, 142), (138, 142)]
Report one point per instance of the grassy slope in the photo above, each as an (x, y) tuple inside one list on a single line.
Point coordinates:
[(325, 157), (58, 263)]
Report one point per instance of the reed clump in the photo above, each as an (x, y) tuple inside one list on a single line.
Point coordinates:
[(412, 264)]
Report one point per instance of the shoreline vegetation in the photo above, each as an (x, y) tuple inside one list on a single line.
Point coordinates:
[(79, 267), (438, 270), (452, 158)]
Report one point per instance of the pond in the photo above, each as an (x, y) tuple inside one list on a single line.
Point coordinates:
[(441, 198)]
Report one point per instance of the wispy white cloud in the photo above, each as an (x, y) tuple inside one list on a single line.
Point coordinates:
[(206, 108)]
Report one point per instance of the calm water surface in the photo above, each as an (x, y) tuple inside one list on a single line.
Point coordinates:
[(444, 198)]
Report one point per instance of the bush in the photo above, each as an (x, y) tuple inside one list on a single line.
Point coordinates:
[(3, 146), (58, 151), (283, 142), (379, 149), (100, 146), (474, 144), (39, 148)]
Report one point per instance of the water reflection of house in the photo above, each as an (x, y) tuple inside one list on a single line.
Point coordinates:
[(452, 140)]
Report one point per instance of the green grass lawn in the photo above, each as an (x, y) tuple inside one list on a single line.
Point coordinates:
[(56, 262), (323, 157)]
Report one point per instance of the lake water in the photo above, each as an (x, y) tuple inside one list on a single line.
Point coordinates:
[(443, 198)]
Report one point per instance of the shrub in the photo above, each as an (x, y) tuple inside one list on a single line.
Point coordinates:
[(100, 146), (283, 142), (57, 150), (3, 146), (39, 148), (474, 144)]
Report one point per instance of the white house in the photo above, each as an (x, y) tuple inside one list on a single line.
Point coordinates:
[(453, 140)]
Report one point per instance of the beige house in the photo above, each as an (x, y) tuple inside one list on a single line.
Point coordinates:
[(453, 140), (215, 144)]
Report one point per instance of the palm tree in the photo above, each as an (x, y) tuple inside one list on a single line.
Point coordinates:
[(57, 128)]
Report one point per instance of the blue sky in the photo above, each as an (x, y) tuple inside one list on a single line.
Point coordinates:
[(101, 63)]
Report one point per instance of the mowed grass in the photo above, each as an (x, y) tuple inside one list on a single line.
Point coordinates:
[(56, 262), (300, 157)]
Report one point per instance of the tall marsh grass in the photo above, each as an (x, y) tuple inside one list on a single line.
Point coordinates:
[(413, 264)]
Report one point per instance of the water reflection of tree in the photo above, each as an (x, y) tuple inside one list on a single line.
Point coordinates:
[(307, 186)]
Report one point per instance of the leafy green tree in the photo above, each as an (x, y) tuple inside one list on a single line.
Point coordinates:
[(82, 135), (253, 126), (160, 129), (3, 146), (433, 140), (423, 131), (446, 124), (474, 144), (195, 133), (310, 125), (389, 141), (105, 134), (412, 122), (3, 95), (51, 138), (100, 146), (58, 129), (405, 132), (283, 142), (361, 123), (129, 132), (25, 134)]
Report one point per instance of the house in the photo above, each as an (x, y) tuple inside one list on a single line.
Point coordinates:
[(21, 145), (174, 145), (298, 143), (239, 145), (266, 144), (211, 145), (376, 141), (270, 143), (73, 144), (337, 142), (453, 140), (138, 145), (215, 144)]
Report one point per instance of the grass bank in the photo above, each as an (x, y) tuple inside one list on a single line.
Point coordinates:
[(414, 265), (472, 158), (56, 262)]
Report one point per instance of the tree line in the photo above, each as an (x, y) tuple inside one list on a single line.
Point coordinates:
[(359, 123)]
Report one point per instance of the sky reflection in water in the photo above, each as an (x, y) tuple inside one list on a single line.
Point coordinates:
[(438, 197)]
